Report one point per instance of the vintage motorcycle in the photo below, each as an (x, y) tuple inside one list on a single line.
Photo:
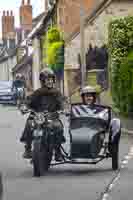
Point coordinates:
[(44, 139), (90, 139)]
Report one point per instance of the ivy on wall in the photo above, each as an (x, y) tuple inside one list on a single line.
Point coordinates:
[(53, 47)]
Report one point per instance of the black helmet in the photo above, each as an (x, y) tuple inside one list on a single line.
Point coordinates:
[(46, 73)]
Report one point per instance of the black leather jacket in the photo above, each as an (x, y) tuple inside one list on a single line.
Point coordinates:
[(46, 99), (18, 84)]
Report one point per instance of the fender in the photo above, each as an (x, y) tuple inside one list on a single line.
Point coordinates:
[(115, 130)]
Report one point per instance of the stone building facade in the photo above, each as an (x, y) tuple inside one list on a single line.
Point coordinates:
[(96, 32)]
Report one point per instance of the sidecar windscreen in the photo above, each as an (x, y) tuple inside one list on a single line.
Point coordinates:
[(86, 116)]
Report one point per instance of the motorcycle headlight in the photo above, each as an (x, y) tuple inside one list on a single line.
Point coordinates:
[(32, 123)]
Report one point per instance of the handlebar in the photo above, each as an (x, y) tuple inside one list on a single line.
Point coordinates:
[(24, 110)]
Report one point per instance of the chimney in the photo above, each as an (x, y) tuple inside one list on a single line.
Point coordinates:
[(3, 24), (26, 16), (12, 21), (46, 5), (7, 24)]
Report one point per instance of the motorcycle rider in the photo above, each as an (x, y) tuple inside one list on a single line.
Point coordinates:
[(89, 96), (18, 83), (45, 98)]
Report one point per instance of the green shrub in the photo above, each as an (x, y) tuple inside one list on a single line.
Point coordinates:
[(121, 62), (54, 50)]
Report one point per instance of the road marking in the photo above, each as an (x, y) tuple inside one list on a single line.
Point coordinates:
[(105, 195)]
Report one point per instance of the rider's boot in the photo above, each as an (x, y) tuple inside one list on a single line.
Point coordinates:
[(58, 155), (28, 153)]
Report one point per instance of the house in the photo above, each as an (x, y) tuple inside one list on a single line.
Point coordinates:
[(30, 62), (96, 23), (12, 37), (7, 61), (25, 55), (70, 24), (36, 36)]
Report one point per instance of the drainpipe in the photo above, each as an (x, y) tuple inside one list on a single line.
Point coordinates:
[(36, 63)]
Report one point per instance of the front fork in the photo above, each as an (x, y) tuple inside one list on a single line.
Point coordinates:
[(46, 138)]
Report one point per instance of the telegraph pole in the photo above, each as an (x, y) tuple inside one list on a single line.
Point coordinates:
[(82, 45)]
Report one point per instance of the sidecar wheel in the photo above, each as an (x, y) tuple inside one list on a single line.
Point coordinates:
[(115, 156), (40, 160)]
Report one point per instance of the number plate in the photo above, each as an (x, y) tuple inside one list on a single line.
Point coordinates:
[(38, 133)]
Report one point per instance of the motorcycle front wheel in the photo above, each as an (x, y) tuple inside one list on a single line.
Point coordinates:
[(41, 159)]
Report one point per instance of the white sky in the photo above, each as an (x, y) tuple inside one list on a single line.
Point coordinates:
[(38, 7)]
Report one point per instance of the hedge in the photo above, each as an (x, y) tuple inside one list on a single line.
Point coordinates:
[(120, 49)]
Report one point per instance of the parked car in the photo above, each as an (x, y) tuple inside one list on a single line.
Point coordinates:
[(7, 95)]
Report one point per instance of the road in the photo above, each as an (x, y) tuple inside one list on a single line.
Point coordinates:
[(62, 182)]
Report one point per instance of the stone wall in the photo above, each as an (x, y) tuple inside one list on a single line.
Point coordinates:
[(72, 79)]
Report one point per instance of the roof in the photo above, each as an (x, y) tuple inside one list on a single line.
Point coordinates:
[(38, 18), (25, 60), (34, 30), (40, 25), (12, 52), (42, 19), (2, 50)]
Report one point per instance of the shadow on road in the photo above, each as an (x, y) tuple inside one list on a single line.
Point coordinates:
[(78, 172), (69, 172)]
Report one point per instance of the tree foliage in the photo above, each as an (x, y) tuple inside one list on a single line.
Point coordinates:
[(121, 62)]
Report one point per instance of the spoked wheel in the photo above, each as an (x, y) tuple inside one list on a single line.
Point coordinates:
[(115, 156), (41, 160)]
